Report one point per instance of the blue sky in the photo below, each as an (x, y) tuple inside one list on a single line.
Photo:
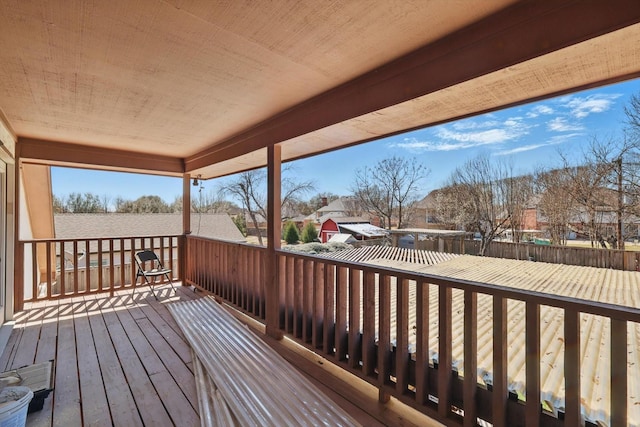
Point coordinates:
[(527, 136)]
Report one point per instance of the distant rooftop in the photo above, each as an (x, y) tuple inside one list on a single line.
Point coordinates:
[(77, 226)]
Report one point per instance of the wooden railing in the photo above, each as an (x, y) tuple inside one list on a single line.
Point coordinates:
[(60, 268), (233, 271), (375, 323)]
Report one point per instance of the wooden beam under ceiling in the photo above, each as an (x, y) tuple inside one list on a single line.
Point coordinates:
[(65, 154)]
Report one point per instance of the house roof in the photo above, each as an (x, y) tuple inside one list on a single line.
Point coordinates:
[(367, 230), (342, 238), (76, 226), (204, 87), (336, 205), (345, 219)]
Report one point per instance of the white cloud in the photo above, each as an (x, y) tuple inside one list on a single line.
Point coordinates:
[(520, 149), (554, 140), (459, 136), (559, 124), (414, 145), (539, 110), (470, 124), (581, 107)]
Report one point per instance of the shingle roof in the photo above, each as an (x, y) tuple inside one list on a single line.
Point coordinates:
[(76, 226)]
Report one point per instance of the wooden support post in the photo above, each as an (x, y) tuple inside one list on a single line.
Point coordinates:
[(183, 254), (18, 265), (273, 239)]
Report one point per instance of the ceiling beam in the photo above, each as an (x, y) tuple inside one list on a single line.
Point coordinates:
[(65, 154), (521, 32)]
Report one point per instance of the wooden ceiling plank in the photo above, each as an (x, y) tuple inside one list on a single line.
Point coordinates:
[(514, 35)]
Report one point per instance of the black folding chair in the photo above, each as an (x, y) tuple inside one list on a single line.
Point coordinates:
[(156, 270)]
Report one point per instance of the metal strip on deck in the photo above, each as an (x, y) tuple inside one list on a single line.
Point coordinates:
[(258, 385)]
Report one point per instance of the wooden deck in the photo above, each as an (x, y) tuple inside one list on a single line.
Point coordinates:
[(119, 361), (123, 361)]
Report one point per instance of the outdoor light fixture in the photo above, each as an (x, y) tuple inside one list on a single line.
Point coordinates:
[(195, 180)]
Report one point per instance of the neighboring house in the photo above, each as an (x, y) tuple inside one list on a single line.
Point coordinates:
[(343, 207), (116, 225), (605, 218), (426, 213), (359, 228)]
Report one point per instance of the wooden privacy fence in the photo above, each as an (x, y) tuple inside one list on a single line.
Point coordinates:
[(587, 257), (57, 268), (376, 323)]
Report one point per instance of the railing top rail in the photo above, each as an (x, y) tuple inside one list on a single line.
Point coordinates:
[(227, 242), (613, 311), (79, 239)]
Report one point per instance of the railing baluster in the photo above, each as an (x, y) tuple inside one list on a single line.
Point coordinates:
[(369, 324), (297, 284), (329, 309), (48, 272), (499, 383), (318, 305), (384, 338), (247, 272), (123, 263), (100, 284), (444, 350), (290, 284), (619, 392), (572, 367), (342, 295), (355, 293), (470, 358), (63, 278), (34, 271), (532, 348), (422, 342), (75, 267), (111, 270), (307, 300), (402, 335), (132, 255)]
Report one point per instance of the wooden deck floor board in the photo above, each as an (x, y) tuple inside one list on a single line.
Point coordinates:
[(149, 405), (179, 408), (95, 408), (175, 340), (121, 403), (66, 402), (181, 373), (101, 346)]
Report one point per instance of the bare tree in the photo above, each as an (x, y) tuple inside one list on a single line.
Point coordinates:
[(477, 198), (606, 183), (517, 191), (557, 206), (249, 188), (389, 188), (245, 188)]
